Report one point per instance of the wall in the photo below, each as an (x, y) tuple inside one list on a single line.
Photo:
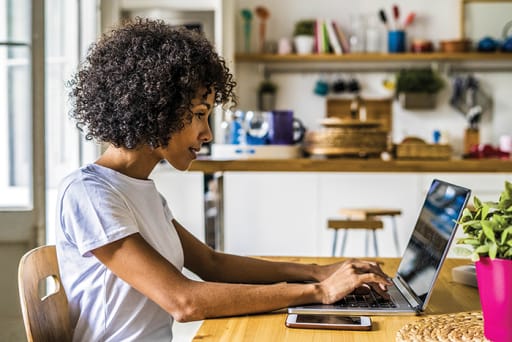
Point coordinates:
[(286, 213), (436, 20)]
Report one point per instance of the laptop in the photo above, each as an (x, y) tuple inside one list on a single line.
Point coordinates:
[(420, 264)]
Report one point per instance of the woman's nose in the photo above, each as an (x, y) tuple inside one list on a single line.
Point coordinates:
[(208, 135)]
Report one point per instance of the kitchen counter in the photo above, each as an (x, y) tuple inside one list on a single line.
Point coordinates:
[(356, 167), (208, 165)]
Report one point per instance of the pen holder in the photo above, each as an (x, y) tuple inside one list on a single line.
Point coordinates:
[(396, 41)]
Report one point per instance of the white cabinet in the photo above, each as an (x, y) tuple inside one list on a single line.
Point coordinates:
[(286, 213), (216, 16), (271, 213)]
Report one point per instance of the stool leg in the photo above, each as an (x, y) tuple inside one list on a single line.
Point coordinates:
[(334, 242), (366, 242), (343, 243), (376, 248), (395, 235)]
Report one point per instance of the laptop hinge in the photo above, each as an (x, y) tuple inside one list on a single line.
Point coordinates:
[(404, 290)]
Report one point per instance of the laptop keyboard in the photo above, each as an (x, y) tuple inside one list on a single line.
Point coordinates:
[(370, 300)]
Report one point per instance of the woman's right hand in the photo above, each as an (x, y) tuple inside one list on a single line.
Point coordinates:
[(351, 275)]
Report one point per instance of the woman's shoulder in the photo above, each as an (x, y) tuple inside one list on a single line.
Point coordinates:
[(87, 179)]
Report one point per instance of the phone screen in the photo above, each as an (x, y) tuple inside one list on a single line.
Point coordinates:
[(329, 319)]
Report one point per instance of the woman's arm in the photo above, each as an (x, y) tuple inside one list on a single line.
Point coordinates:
[(215, 266), (137, 263)]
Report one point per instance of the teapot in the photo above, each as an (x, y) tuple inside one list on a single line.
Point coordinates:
[(507, 41)]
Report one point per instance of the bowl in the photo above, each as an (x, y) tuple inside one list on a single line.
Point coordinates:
[(455, 45)]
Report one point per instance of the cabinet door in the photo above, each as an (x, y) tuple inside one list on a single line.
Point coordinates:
[(271, 213)]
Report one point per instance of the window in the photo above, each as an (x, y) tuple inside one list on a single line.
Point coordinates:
[(15, 104)]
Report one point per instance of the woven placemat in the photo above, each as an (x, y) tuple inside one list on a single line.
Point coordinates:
[(463, 326)]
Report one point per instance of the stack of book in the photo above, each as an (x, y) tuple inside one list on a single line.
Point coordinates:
[(329, 38)]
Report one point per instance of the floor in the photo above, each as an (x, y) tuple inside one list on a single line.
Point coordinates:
[(12, 330)]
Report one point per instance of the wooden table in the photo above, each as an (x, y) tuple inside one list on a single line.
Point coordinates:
[(448, 297)]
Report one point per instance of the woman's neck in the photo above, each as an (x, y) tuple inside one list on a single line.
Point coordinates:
[(136, 163)]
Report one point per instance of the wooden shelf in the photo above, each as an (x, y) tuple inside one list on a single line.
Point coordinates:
[(373, 57), (353, 165)]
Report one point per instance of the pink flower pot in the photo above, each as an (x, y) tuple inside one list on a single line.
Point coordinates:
[(495, 288)]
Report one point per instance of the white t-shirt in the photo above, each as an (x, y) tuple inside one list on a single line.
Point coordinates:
[(96, 206)]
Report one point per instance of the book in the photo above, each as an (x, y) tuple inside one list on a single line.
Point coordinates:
[(333, 37), (319, 36), (341, 36), (325, 36)]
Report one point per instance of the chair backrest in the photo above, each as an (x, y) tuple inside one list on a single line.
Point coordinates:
[(46, 316)]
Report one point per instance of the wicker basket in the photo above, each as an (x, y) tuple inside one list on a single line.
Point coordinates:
[(346, 137), (423, 151)]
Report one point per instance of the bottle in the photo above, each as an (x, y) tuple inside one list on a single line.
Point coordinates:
[(372, 34), (226, 128), (356, 39)]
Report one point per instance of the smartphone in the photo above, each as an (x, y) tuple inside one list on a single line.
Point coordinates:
[(329, 322)]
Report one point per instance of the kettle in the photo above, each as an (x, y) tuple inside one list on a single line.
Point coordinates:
[(507, 41)]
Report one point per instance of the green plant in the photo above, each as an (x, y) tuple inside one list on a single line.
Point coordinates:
[(304, 28), (418, 81), (488, 228)]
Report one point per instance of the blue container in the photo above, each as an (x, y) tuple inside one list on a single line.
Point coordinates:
[(396, 41)]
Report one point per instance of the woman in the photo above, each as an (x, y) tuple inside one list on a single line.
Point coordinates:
[(147, 90)]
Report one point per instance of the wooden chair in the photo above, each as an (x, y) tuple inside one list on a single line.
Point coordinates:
[(46, 316)]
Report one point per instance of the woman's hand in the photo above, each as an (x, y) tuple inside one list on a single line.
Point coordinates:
[(350, 275)]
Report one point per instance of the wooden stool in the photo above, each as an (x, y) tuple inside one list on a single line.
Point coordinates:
[(345, 224), (375, 213)]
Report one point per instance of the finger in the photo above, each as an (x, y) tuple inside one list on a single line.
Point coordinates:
[(381, 290), (362, 290), (373, 268), (370, 278)]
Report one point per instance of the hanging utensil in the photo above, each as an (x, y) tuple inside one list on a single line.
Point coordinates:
[(263, 14), (469, 99), (247, 18)]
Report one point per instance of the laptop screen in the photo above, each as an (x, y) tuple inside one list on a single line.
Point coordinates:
[(434, 231)]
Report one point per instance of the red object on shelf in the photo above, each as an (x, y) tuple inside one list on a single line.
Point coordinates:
[(422, 45), (482, 151)]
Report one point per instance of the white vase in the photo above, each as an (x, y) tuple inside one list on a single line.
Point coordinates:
[(303, 44)]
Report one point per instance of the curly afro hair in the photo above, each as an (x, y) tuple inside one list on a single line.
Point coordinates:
[(136, 85)]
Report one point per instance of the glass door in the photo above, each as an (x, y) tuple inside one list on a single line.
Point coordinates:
[(41, 44), (22, 155)]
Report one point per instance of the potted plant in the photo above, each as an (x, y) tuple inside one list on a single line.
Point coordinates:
[(418, 88), (304, 33), (267, 95), (488, 239)]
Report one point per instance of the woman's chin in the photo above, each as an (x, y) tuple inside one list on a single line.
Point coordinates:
[(181, 166)]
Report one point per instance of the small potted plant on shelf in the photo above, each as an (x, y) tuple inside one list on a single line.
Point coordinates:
[(488, 239), (304, 36), (418, 88), (267, 91)]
